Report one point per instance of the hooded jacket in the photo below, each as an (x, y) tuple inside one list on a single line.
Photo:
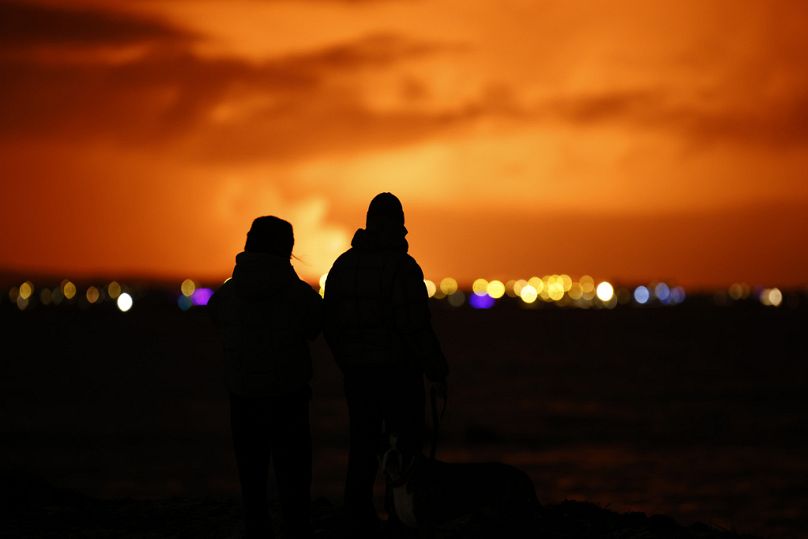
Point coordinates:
[(376, 307), (266, 314)]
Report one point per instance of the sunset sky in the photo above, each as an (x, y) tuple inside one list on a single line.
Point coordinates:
[(628, 140)]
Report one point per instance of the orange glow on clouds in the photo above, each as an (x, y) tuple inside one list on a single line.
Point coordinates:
[(626, 140)]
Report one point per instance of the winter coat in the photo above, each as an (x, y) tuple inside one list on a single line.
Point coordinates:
[(266, 314), (376, 307)]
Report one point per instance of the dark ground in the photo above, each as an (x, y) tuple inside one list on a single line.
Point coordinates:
[(696, 412)]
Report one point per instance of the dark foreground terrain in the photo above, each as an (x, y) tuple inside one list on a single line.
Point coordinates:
[(37, 510), (695, 411)]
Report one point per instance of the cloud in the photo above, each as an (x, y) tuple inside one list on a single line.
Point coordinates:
[(24, 25)]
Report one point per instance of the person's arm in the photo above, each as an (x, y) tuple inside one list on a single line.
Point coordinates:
[(414, 320)]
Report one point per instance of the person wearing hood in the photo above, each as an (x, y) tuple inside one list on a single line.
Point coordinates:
[(266, 315), (377, 324)]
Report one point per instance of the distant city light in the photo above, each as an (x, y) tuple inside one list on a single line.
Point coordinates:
[(68, 289), (187, 288), (124, 302), (663, 292), (57, 296), (479, 287), (677, 295), (113, 290), (528, 294), (201, 296), (518, 286), (495, 289), (555, 287), (13, 294), (509, 289), (93, 294), (184, 303), (26, 290), (587, 285), (575, 292), (566, 281), (641, 295), (430, 288), (771, 297), (605, 291), (739, 291), (537, 283), (457, 298), (448, 286), (481, 301), (22, 303)]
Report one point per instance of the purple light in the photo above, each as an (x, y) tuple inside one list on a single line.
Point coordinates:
[(481, 302), (201, 296)]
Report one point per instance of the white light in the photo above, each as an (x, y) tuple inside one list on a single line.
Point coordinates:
[(125, 302), (605, 291)]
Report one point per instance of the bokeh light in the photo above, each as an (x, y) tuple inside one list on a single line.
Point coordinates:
[(201, 296), (448, 286), (430, 288), (26, 290), (93, 294), (538, 284), (184, 303), (457, 298), (22, 303), (509, 289), (566, 282), (518, 286), (575, 292), (663, 292), (605, 291), (771, 297), (45, 296), (677, 295), (528, 294), (68, 289), (483, 301), (187, 288), (57, 296), (113, 290), (738, 291), (13, 294), (124, 302), (495, 289), (642, 295), (479, 287)]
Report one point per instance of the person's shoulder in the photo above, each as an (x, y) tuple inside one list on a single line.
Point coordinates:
[(410, 266)]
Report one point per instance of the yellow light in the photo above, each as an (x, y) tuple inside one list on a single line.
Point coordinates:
[(555, 287), (114, 290), (495, 289), (566, 282), (13, 294), (188, 287), (587, 284), (575, 291), (448, 286), (775, 297), (124, 302), (26, 289), (430, 288), (736, 291), (518, 286), (457, 298), (509, 289), (605, 291), (479, 286), (528, 294), (537, 284), (68, 289), (93, 294)]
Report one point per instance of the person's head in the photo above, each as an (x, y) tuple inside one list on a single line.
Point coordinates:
[(271, 235), (385, 210)]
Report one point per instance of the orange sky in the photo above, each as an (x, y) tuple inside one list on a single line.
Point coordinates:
[(628, 140)]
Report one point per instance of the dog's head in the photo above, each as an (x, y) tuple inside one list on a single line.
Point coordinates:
[(395, 465)]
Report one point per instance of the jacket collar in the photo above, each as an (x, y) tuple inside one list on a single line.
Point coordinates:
[(381, 239)]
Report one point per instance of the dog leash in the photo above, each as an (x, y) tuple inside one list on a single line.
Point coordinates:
[(436, 418)]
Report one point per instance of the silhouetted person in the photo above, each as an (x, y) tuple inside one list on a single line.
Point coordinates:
[(266, 315), (377, 323)]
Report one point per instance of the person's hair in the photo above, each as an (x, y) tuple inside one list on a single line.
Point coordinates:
[(384, 208), (272, 235)]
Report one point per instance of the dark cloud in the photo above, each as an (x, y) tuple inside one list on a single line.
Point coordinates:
[(25, 25)]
